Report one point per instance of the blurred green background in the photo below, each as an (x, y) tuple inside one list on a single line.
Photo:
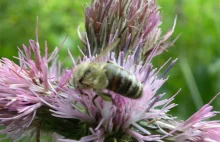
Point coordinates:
[(197, 72)]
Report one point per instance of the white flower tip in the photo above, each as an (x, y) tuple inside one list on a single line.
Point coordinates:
[(174, 23)]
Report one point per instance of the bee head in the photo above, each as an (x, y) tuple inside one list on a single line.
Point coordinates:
[(88, 75)]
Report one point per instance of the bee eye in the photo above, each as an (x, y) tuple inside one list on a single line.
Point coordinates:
[(87, 72)]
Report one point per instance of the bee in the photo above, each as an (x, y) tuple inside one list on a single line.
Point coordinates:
[(107, 75)]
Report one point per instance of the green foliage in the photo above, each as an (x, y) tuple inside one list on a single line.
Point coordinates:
[(56, 20), (196, 71)]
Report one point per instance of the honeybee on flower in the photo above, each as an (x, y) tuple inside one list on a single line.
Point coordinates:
[(37, 95)]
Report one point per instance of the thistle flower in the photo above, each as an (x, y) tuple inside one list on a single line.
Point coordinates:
[(18, 104), (38, 95), (135, 22), (121, 114), (20, 84), (196, 129)]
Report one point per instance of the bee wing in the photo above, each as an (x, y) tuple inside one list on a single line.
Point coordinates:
[(110, 47), (110, 62)]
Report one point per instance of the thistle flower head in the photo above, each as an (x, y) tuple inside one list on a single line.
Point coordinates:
[(197, 128), (18, 103), (135, 22), (20, 84), (121, 114)]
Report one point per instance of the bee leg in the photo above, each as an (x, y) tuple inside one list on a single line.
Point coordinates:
[(104, 96), (93, 100)]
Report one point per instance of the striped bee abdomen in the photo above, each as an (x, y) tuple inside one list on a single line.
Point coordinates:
[(122, 82)]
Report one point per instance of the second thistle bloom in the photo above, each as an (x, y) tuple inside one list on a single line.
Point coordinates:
[(135, 22)]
